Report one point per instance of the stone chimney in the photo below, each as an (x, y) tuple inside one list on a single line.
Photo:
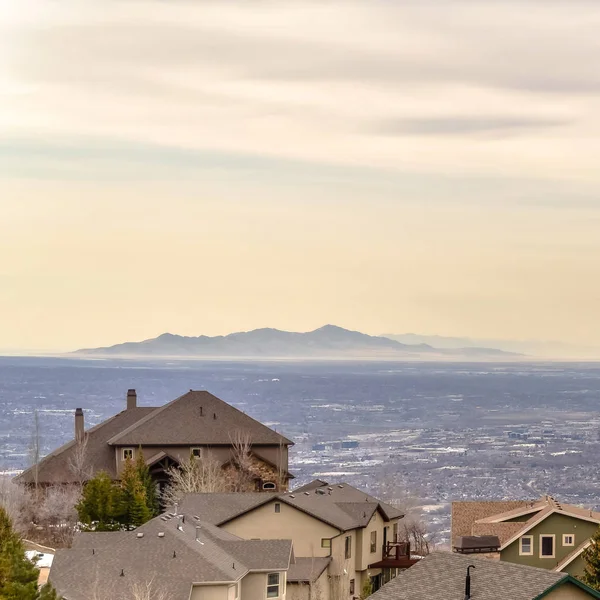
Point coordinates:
[(131, 399), (79, 426)]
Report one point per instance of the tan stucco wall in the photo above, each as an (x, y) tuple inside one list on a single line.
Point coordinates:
[(209, 592), (558, 525), (254, 587), (289, 524), (568, 591)]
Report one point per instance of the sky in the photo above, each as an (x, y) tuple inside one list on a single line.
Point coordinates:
[(205, 167)]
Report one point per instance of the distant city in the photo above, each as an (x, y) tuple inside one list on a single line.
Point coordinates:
[(436, 432)]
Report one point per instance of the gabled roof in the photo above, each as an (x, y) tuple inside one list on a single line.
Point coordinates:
[(479, 518), (307, 569), (56, 466), (442, 575), (342, 506), (197, 417), (188, 551)]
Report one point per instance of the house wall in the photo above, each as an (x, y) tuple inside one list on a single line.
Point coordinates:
[(576, 567), (222, 454), (557, 524), (209, 592), (254, 587), (264, 523), (568, 591)]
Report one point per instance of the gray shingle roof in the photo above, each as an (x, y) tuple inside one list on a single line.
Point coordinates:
[(188, 551), (307, 569), (197, 417), (341, 506), (442, 575), (220, 508)]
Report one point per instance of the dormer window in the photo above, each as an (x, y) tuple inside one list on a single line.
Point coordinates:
[(128, 453), (269, 485)]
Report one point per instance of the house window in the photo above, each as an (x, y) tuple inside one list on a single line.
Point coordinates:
[(325, 543), (526, 545), (568, 539), (273, 585), (277, 507), (127, 453), (373, 542), (352, 587), (395, 532), (197, 452), (269, 485), (348, 547), (547, 546)]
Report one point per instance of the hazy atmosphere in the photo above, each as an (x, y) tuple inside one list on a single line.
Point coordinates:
[(209, 167)]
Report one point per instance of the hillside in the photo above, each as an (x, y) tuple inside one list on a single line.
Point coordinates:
[(326, 342)]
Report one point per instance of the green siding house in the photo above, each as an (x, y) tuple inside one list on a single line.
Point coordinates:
[(543, 533)]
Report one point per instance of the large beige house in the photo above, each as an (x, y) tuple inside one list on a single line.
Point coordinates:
[(540, 533), (342, 536), (196, 423), (173, 557)]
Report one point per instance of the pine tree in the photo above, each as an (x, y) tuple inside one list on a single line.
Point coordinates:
[(18, 575), (591, 557), (98, 508), (148, 484), (133, 501)]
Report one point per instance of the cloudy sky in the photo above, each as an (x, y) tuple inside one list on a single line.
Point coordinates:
[(206, 167)]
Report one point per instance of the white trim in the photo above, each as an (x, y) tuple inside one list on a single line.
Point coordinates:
[(548, 535), (572, 536), (530, 538), (561, 565), (537, 522), (514, 516), (123, 450)]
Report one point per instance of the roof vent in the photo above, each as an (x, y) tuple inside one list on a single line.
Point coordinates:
[(292, 496), (320, 491), (161, 534), (122, 573), (140, 535), (306, 493), (340, 486), (214, 415), (174, 554)]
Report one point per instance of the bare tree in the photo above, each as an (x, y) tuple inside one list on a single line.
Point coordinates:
[(79, 461), (18, 503), (149, 590), (202, 474), (56, 513), (339, 575), (242, 461), (35, 450)]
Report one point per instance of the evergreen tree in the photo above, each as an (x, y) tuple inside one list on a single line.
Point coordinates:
[(98, 508), (18, 575), (591, 557), (133, 502), (148, 484)]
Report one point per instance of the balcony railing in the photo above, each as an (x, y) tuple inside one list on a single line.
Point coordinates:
[(396, 550)]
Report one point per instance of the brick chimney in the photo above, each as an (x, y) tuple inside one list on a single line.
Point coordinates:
[(79, 426), (131, 399)]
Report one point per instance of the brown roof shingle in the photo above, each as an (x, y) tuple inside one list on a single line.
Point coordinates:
[(197, 417)]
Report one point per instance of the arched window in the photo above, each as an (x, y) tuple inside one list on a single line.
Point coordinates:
[(269, 485)]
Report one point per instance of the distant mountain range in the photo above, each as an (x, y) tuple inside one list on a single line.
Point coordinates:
[(541, 349), (329, 341)]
